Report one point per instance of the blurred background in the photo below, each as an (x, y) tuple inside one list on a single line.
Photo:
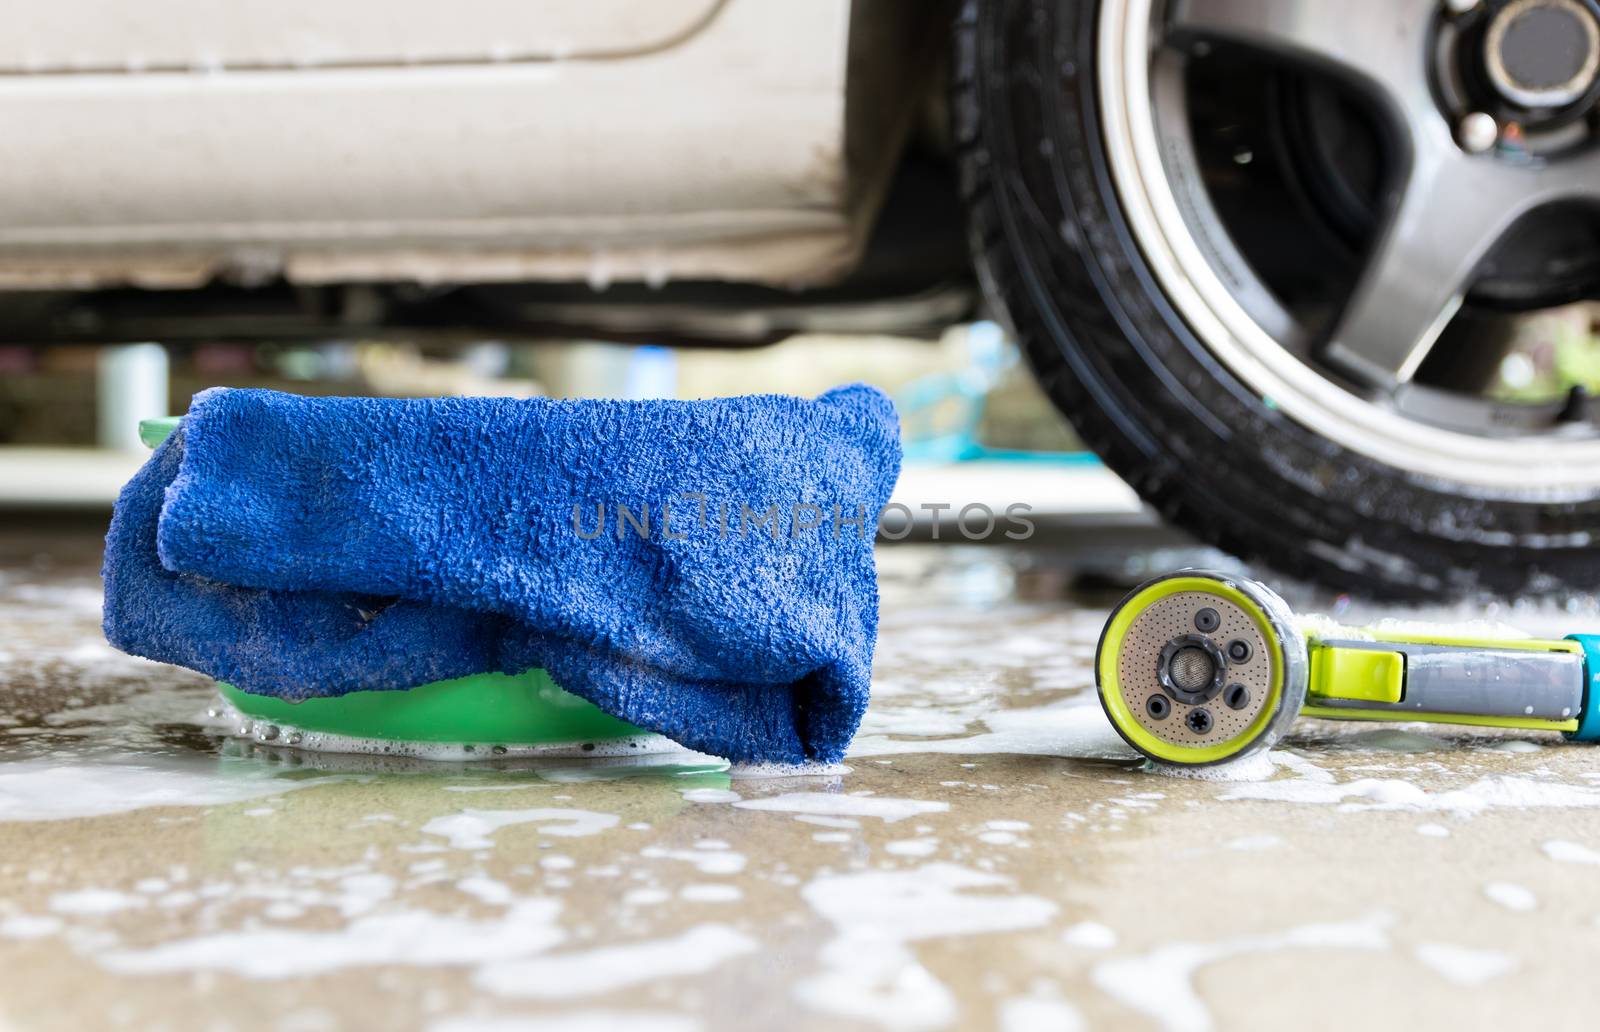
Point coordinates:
[(81, 399), (977, 426)]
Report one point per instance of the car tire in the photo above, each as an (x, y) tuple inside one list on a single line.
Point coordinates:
[(1058, 262)]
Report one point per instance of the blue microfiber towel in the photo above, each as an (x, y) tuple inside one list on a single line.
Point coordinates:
[(304, 547)]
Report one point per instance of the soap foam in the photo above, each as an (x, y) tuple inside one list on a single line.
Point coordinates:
[(581, 1021), (1039, 1014), (884, 808), (1465, 966), (1076, 730), (1571, 852), (610, 968), (1501, 792), (45, 790), (1160, 983), (410, 937), (868, 972), (473, 829), (1511, 896)]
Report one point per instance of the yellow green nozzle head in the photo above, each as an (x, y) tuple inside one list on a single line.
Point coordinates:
[(1197, 668)]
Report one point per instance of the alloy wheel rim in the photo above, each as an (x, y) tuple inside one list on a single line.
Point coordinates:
[(1246, 332)]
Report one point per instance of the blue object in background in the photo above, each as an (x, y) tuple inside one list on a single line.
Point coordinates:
[(652, 373), (966, 391), (303, 547)]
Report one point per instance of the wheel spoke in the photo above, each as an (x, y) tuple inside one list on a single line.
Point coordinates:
[(1447, 217), (1378, 41), (1575, 177)]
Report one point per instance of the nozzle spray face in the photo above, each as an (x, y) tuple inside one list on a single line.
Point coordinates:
[(1198, 668)]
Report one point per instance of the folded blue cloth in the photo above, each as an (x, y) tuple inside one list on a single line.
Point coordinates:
[(304, 547)]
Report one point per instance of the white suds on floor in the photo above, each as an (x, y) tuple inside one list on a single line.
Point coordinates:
[(486, 890), (869, 973), (767, 771), (645, 897), (711, 893), (1160, 983), (1510, 896), (1465, 966), (824, 821), (1570, 852), (610, 968), (1039, 1014), (86, 902), (912, 847), (473, 829), (1089, 935), (47, 790), (834, 804), (1501, 791), (1253, 843), (1513, 745), (1075, 729), (719, 862), (1258, 766), (710, 795), (24, 927), (409, 937), (577, 1021)]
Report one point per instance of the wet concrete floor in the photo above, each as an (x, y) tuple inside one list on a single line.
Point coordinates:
[(993, 858)]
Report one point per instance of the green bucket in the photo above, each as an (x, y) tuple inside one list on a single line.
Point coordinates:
[(526, 712)]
